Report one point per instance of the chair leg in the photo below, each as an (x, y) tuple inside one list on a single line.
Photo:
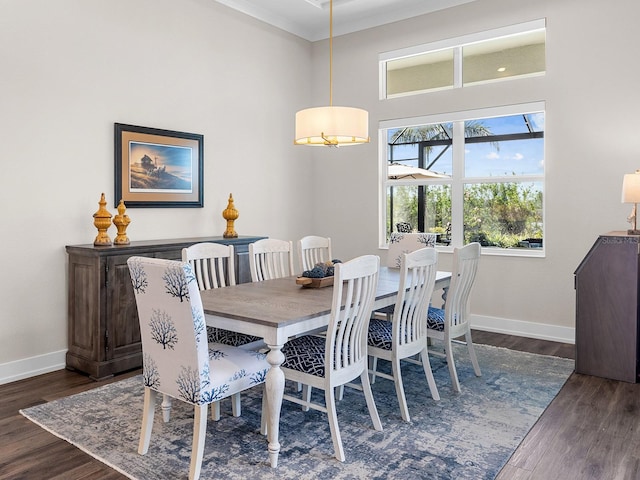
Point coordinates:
[(148, 411), (426, 365), (306, 396), (235, 405), (448, 350), (472, 354), (330, 400), (340, 392), (397, 380), (166, 407), (371, 404), (199, 435), (215, 411), (373, 367)]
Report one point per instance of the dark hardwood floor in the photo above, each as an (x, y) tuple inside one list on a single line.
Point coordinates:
[(591, 430)]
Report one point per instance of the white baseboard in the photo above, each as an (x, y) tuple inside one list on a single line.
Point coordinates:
[(32, 366), (521, 328)]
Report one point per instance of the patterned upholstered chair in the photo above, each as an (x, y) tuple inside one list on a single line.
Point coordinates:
[(214, 267), (270, 258), (400, 243), (177, 360), (404, 227), (313, 249), (453, 322), (406, 335), (341, 356)]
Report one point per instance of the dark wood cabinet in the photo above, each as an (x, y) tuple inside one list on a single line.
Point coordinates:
[(103, 330), (607, 308)]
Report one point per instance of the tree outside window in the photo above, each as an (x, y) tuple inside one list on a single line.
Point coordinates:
[(494, 182)]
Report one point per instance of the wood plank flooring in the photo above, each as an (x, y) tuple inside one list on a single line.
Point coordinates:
[(591, 430)]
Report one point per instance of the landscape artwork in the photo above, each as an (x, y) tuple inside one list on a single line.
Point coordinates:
[(160, 168)]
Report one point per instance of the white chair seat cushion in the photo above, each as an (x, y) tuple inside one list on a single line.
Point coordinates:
[(435, 319), (227, 337), (231, 370), (305, 354), (380, 333)]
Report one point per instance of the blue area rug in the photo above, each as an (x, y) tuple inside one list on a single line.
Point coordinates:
[(469, 435)]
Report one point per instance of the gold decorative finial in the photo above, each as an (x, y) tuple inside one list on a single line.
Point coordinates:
[(121, 221), (102, 221), (230, 214)]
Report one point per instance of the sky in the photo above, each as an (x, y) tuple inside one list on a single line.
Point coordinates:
[(522, 157)]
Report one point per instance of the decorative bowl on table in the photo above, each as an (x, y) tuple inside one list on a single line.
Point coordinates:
[(321, 275)]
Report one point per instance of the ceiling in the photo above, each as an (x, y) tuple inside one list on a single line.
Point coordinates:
[(309, 19)]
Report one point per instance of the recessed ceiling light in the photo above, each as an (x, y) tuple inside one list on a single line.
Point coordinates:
[(502, 69)]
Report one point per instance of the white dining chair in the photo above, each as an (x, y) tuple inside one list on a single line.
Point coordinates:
[(453, 322), (270, 258), (313, 249), (214, 267), (406, 335), (177, 359), (341, 356)]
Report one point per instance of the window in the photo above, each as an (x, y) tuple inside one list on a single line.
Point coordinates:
[(495, 55), (479, 176)]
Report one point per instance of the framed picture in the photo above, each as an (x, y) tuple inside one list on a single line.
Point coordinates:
[(158, 168)]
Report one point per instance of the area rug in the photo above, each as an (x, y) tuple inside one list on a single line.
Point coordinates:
[(467, 435)]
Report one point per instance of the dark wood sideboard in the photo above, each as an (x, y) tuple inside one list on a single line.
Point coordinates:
[(103, 330), (607, 308)]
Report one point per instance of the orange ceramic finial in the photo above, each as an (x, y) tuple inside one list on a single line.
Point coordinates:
[(230, 214), (102, 221), (121, 221)]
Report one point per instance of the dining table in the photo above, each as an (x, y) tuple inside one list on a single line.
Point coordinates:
[(279, 309)]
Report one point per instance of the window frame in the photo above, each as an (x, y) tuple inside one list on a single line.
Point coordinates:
[(456, 44), (458, 179)]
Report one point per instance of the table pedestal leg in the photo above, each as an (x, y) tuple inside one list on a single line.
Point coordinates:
[(275, 391)]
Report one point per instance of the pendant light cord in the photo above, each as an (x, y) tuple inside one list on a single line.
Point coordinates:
[(331, 53)]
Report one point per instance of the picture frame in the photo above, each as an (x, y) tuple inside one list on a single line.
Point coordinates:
[(158, 168)]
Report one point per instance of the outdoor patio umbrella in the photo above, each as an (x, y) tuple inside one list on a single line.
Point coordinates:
[(397, 171)]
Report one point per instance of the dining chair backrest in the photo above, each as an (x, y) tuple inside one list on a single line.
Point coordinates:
[(463, 275), (212, 263), (417, 280), (313, 249), (400, 243), (172, 326), (354, 291), (270, 258)]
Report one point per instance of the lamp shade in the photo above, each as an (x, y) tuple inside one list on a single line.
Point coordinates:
[(332, 126), (631, 188)]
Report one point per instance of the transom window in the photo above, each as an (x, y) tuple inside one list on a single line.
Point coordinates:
[(501, 54), (478, 176)]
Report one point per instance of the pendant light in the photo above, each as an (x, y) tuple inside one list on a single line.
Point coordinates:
[(331, 126)]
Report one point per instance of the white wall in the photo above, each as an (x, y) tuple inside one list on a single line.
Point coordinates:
[(592, 99), (69, 69)]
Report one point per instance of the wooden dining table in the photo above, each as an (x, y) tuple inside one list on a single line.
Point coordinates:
[(277, 310)]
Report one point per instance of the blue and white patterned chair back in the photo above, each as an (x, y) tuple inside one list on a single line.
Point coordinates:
[(400, 243), (355, 285), (404, 227), (173, 330)]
